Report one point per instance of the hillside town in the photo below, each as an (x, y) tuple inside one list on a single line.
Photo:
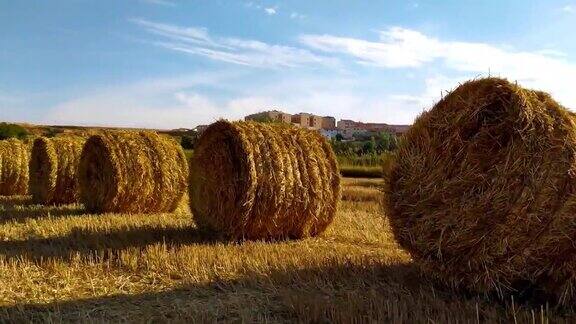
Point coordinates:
[(345, 129)]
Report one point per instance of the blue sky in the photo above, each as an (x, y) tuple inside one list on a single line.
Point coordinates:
[(175, 63)]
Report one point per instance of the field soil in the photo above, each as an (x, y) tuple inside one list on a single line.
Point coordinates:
[(60, 264)]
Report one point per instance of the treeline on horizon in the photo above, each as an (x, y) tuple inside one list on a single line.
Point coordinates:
[(364, 150)]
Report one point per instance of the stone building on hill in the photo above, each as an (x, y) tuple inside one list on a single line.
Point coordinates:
[(305, 120)]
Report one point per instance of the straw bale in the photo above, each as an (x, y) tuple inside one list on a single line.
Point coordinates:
[(482, 190), (253, 180), (14, 157), (53, 169), (132, 172)]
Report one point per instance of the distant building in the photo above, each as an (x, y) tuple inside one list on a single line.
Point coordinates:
[(350, 133), (301, 120), (315, 122), (329, 133), (328, 122), (305, 120)]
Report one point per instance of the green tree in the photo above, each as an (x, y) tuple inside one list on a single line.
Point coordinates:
[(12, 130), (52, 131), (339, 137), (369, 147), (386, 142), (187, 142), (264, 119)]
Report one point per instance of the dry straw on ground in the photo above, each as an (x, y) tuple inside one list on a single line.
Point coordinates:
[(53, 169), (132, 172), (14, 156), (253, 180), (482, 190)]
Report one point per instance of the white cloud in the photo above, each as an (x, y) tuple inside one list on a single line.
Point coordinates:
[(251, 4), (197, 41), (177, 102), (406, 48), (160, 2), (157, 103), (270, 11), (295, 15), (569, 8), (398, 47)]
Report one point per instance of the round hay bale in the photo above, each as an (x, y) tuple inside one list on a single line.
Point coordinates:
[(132, 172), (53, 169), (481, 192), (14, 156), (253, 180)]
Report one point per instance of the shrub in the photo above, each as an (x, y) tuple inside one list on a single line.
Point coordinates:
[(12, 131), (187, 142)]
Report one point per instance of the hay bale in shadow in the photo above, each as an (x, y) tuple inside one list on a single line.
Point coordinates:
[(132, 172), (263, 181), (482, 190), (14, 157), (53, 169)]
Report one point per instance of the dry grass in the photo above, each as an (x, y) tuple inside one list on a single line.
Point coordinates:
[(359, 189), (59, 264)]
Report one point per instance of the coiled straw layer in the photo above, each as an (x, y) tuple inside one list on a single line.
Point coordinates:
[(482, 192), (53, 169), (14, 157), (252, 180), (132, 172)]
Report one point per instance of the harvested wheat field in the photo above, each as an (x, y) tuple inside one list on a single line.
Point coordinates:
[(483, 191), (263, 181), (58, 263)]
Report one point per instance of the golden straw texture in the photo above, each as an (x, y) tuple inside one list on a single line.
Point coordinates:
[(14, 156), (53, 169), (481, 192), (253, 180), (132, 172)]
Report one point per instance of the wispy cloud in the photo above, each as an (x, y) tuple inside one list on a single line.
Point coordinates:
[(296, 15), (160, 2), (197, 41), (270, 11), (569, 8), (178, 102), (405, 48), (154, 103), (251, 4)]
